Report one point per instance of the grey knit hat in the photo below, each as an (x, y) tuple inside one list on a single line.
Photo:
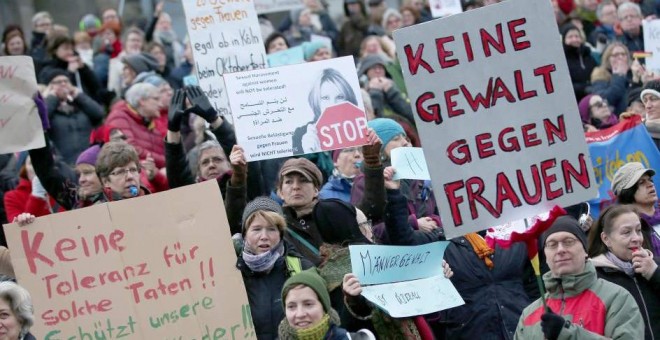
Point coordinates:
[(260, 203)]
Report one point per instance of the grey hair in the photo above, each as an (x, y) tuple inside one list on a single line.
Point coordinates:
[(40, 16), (133, 30), (138, 92), (20, 302), (209, 144), (599, 9), (388, 13), (628, 5)]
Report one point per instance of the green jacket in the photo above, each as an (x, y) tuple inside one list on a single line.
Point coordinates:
[(597, 309)]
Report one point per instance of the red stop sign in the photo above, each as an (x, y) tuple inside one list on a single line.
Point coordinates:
[(341, 126)]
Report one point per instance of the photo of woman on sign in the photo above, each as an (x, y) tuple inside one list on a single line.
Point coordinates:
[(330, 88)]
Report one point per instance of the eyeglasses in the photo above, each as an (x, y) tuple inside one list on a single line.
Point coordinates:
[(350, 150), (123, 172), (630, 17), (60, 82), (566, 243), (599, 104), (620, 55), (156, 98)]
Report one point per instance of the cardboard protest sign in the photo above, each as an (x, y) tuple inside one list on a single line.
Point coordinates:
[(155, 267), (270, 6), (404, 280), (20, 125), (409, 163), (496, 112), (651, 30), (225, 37), (610, 149), (278, 112), (443, 8)]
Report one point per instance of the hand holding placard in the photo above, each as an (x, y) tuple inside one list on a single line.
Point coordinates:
[(410, 163)]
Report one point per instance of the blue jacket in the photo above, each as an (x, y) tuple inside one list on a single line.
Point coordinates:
[(337, 187)]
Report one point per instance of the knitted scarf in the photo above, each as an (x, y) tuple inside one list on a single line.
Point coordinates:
[(627, 267), (262, 262), (481, 248), (314, 332)]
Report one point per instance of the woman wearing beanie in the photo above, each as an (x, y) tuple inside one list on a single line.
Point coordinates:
[(619, 251), (650, 97), (265, 261), (596, 113), (309, 315), (633, 184), (579, 59)]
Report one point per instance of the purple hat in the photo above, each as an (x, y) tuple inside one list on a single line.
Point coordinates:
[(89, 156), (583, 107)]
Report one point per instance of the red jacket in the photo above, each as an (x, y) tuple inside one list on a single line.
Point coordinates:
[(20, 200), (143, 135)]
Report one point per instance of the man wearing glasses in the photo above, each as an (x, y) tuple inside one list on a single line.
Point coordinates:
[(579, 305)]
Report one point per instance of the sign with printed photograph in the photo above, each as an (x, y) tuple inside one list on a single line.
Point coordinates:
[(297, 109)]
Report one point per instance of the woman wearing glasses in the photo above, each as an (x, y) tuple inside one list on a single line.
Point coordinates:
[(596, 113), (621, 255), (612, 78)]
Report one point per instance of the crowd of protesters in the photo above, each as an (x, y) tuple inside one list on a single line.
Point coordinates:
[(123, 118)]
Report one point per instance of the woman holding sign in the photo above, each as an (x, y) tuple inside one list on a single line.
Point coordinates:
[(330, 88), (266, 262)]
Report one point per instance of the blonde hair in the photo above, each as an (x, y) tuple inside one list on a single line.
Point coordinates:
[(604, 71), (271, 217)]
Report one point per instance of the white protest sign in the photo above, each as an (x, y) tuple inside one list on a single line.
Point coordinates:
[(651, 30), (281, 111), (225, 37), (443, 8), (409, 163), (417, 297), (20, 125), (404, 280), (496, 114), (270, 6)]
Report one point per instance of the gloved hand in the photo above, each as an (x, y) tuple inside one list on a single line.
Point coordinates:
[(175, 112), (552, 324), (201, 105), (43, 111), (38, 190)]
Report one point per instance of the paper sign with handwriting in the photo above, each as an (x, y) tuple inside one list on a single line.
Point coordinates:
[(443, 8), (410, 163), (651, 45), (20, 125), (376, 264), (417, 297), (225, 37), (92, 275), (277, 111), (496, 113)]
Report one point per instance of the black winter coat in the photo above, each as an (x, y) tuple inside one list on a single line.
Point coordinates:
[(88, 81), (70, 131), (264, 292), (580, 64), (494, 299), (646, 292)]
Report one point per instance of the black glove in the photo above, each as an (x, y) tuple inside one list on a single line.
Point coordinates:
[(175, 112), (201, 105), (552, 324)]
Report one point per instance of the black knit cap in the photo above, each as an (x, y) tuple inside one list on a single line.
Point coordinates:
[(568, 224), (48, 74), (259, 203)]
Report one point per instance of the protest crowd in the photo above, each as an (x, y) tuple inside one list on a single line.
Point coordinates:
[(124, 116)]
